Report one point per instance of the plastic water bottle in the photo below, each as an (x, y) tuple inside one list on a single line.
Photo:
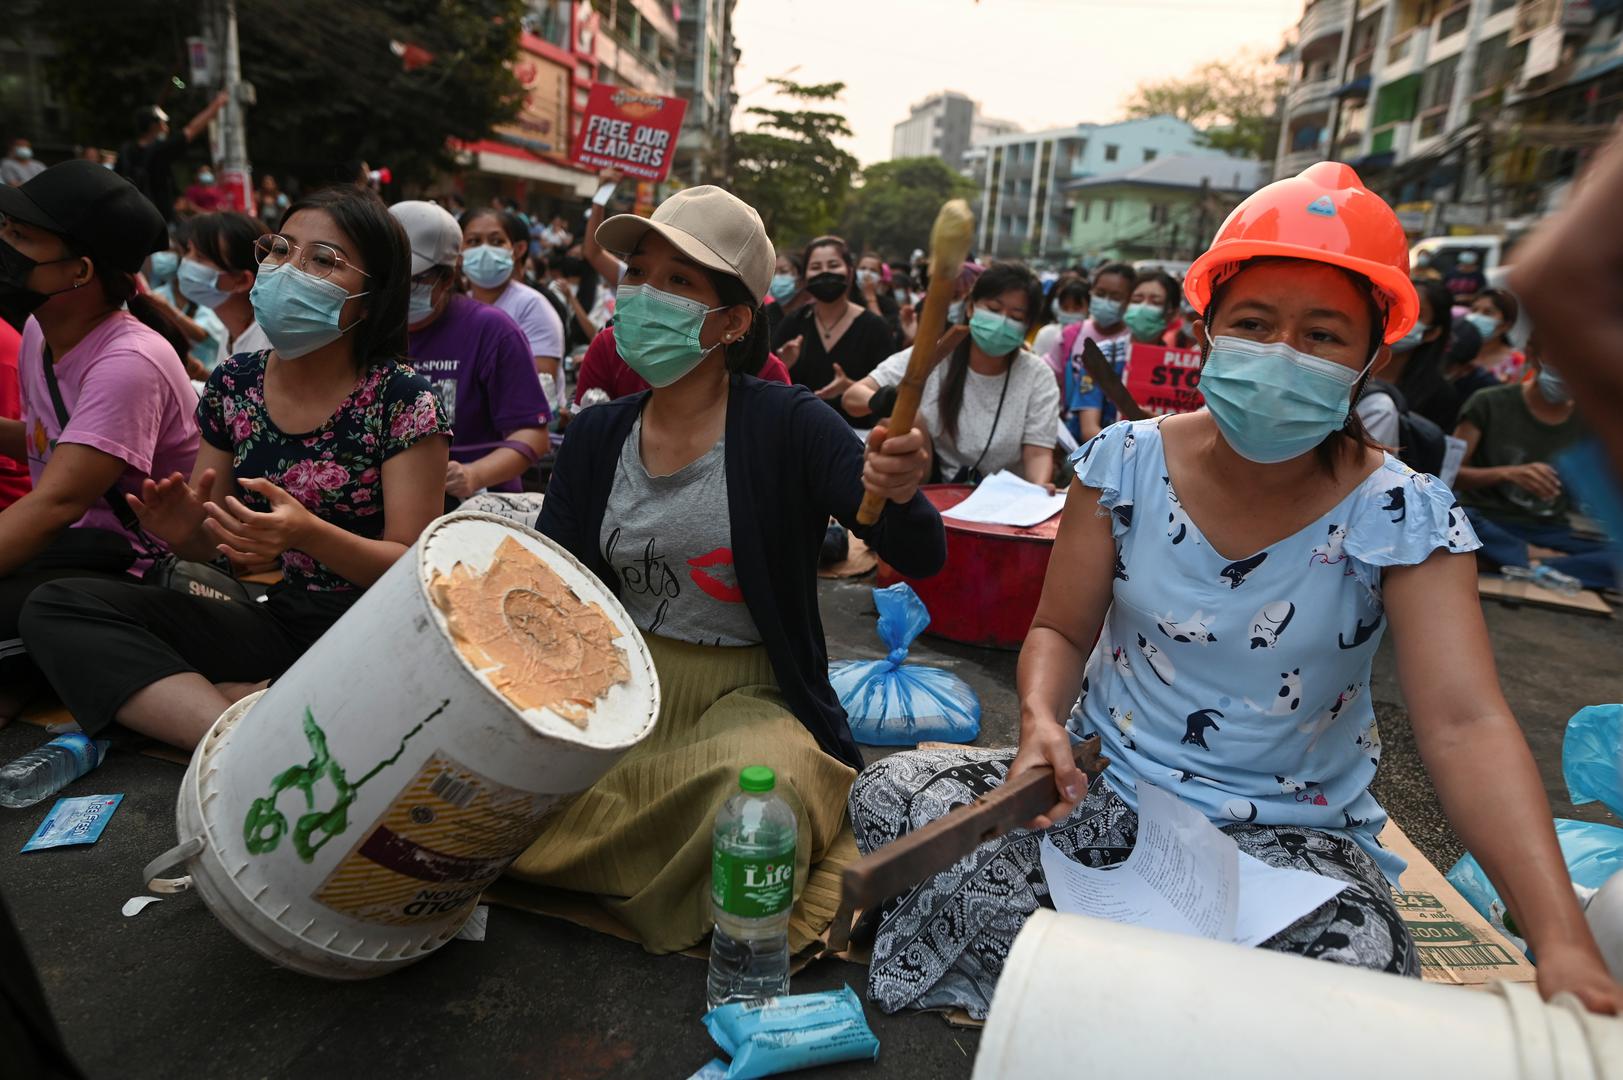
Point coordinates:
[(1545, 577), (41, 773), (752, 889)]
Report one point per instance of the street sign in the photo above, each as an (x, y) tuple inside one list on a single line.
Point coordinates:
[(630, 130), (200, 57)]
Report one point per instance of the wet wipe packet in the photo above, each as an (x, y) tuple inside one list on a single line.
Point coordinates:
[(78, 820), (795, 1032)]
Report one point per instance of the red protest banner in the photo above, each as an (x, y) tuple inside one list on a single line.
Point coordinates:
[(629, 130), (1163, 380)]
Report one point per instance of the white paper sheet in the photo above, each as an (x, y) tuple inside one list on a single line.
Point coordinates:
[(1184, 876), (1005, 499), (1453, 458)]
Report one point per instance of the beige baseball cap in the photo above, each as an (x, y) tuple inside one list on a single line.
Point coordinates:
[(432, 232), (714, 228)]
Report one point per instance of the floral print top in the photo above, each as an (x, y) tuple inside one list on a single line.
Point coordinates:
[(336, 470)]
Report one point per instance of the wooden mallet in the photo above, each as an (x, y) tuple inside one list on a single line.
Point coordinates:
[(904, 863), (950, 238)]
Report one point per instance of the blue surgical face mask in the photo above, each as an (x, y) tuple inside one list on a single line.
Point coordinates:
[(1553, 387), (298, 312), (783, 286), (657, 333), (1271, 402), (1411, 341), (421, 304), (1069, 318), (955, 313), (1105, 311), (198, 284), (164, 265), (487, 266), (997, 335), (205, 178), (1486, 325)]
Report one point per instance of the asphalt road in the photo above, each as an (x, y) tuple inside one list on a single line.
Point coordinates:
[(170, 992)]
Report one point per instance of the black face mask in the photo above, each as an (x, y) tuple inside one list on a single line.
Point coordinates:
[(17, 300), (830, 286)]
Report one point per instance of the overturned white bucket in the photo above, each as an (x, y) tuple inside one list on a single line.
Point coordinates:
[(1133, 1002), (344, 822)]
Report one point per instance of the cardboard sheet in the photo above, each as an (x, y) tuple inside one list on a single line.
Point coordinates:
[(1511, 593), (1457, 946)]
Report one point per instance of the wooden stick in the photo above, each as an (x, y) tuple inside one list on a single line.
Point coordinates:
[(949, 244), (899, 865), (1104, 373)]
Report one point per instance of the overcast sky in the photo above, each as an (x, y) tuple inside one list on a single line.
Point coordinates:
[(1042, 63)]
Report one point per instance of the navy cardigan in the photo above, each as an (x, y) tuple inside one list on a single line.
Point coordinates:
[(791, 463)]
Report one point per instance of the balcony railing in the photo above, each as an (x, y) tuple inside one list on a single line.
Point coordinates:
[(1310, 96), (1321, 19), (1534, 15)]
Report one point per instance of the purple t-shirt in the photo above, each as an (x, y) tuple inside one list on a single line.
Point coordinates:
[(484, 373), (126, 394)]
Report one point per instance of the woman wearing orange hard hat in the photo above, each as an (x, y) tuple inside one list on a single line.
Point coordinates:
[(1219, 586)]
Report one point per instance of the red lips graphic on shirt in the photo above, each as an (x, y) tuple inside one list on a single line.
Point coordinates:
[(715, 587)]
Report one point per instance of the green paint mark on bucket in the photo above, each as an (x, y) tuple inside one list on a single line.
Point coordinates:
[(264, 827)]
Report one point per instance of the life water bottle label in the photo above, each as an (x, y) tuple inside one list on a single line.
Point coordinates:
[(84, 751), (753, 887)]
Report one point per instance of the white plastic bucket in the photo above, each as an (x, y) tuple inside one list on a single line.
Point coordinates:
[(448, 774), (1084, 994)]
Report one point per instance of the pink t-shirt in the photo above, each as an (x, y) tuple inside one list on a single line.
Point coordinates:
[(126, 394)]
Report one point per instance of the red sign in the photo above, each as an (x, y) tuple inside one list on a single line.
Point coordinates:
[(1163, 380), (630, 130)]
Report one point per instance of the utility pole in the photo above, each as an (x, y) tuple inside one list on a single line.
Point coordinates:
[(236, 175)]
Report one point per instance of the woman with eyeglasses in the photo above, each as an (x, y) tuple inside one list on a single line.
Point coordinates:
[(325, 452)]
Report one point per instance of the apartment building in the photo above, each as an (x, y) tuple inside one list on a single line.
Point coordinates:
[(1466, 114), (945, 126), (705, 59), (1024, 211)]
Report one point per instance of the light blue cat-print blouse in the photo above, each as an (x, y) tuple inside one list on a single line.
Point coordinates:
[(1242, 685)]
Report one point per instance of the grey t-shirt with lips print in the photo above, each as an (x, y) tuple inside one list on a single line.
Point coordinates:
[(669, 540)]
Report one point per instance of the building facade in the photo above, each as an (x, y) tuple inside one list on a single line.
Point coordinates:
[(705, 60), (945, 126), (1024, 211), (1164, 209), (1465, 114)]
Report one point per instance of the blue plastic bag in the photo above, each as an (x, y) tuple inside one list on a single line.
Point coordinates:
[(1592, 756), (1592, 852), (892, 703)]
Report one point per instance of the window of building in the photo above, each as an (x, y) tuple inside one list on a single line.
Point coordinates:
[(1496, 6), (1158, 213), (1453, 22), (1112, 151), (1437, 86), (1149, 155), (1110, 204), (1087, 210)]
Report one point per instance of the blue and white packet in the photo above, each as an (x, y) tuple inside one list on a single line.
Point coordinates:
[(79, 820), (799, 1031)]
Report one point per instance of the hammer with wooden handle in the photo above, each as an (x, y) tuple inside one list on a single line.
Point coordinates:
[(907, 861), (949, 243)]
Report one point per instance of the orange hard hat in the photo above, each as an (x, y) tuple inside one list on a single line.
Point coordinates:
[(1324, 214)]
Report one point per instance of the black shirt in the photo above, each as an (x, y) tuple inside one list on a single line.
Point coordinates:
[(151, 169), (791, 464), (861, 348)]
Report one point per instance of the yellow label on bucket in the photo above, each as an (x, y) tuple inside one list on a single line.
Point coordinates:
[(446, 836)]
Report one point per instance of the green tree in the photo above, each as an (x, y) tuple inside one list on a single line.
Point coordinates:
[(896, 202), (330, 90), (1233, 103), (790, 168)]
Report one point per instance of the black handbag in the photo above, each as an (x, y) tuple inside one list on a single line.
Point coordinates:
[(101, 549)]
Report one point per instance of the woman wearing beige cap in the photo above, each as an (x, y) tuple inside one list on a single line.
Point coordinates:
[(703, 503)]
